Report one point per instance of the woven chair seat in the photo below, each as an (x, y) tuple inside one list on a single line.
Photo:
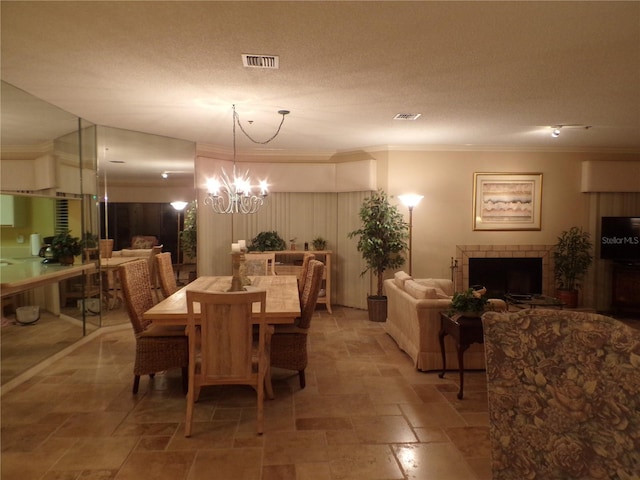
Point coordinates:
[(158, 347)]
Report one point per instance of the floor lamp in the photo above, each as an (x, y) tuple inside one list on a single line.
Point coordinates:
[(410, 201), (179, 206)]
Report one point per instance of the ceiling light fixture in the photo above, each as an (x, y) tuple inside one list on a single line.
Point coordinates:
[(234, 194), (164, 175), (555, 129)]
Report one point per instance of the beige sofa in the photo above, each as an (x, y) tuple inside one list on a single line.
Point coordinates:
[(413, 321)]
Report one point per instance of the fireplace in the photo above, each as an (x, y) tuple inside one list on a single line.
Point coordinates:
[(541, 253), (517, 275)]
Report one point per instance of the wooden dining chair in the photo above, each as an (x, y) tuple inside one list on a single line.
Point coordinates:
[(289, 342), (221, 346), (158, 347), (164, 267), (260, 263), (302, 280)]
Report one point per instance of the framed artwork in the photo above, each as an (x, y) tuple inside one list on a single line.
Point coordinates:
[(507, 201)]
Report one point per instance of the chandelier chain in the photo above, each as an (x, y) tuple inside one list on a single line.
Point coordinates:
[(237, 119)]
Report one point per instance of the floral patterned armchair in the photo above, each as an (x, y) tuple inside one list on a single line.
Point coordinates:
[(564, 395)]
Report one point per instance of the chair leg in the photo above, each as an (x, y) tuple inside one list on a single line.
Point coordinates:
[(303, 383), (189, 418), (185, 380), (136, 383)]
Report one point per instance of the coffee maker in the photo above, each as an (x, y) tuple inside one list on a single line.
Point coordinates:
[(46, 251)]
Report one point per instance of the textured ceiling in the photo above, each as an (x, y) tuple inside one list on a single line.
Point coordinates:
[(482, 74)]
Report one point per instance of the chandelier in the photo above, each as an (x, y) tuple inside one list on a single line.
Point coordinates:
[(235, 193)]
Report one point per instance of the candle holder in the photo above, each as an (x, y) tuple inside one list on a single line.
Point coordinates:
[(236, 280), (242, 270)]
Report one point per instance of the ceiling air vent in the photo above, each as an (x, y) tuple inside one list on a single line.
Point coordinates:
[(261, 61), (407, 116)]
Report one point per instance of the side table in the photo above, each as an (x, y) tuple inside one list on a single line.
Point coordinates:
[(465, 331)]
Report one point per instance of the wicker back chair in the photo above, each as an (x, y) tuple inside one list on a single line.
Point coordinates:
[(289, 342), (153, 270), (305, 269), (158, 347), (167, 279), (260, 263), (106, 247), (221, 346)]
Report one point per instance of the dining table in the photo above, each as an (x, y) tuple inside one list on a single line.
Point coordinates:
[(282, 303), (110, 281)]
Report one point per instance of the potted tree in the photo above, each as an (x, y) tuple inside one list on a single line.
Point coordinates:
[(65, 247), (382, 240), (189, 235), (572, 258)]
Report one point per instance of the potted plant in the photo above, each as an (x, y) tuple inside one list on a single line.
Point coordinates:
[(382, 240), (572, 258), (267, 241), (65, 247), (319, 243), (189, 233), (470, 303)]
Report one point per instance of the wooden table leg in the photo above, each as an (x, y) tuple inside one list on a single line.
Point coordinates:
[(441, 335), (461, 349)]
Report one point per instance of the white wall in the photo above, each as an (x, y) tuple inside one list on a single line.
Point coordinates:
[(440, 222)]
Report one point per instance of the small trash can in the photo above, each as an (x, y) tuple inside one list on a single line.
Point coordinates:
[(27, 315)]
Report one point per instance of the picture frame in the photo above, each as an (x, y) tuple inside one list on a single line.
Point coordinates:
[(507, 201)]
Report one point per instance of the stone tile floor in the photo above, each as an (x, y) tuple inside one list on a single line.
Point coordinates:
[(365, 414)]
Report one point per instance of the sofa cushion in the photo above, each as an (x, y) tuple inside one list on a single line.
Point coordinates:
[(442, 286), (134, 252), (400, 277), (144, 241), (419, 291)]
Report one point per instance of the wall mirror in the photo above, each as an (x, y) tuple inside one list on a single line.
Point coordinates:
[(49, 181)]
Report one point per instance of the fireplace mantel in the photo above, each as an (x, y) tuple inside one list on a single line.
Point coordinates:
[(465, 252)]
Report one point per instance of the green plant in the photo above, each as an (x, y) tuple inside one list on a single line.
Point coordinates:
[(319, 243), (89, 240), (267, 241), (382, 236), (572, 258), (64, 245), (189, 234), (469, 301)]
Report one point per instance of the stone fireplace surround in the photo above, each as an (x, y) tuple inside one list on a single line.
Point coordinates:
[(465, 252)]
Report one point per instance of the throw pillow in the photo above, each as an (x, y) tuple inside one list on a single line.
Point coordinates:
[(435, 283), (418, 291), (400, 278)]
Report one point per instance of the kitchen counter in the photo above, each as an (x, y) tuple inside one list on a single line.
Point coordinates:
[(21, 274)]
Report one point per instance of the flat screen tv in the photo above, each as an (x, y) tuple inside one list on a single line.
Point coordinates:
[(620, 238)]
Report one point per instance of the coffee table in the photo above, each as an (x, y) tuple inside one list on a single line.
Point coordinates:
[(533, 301)]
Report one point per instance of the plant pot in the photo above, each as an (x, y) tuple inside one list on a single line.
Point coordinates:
[(67, 260), (569, 298), (471, 314), (377, 307)]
